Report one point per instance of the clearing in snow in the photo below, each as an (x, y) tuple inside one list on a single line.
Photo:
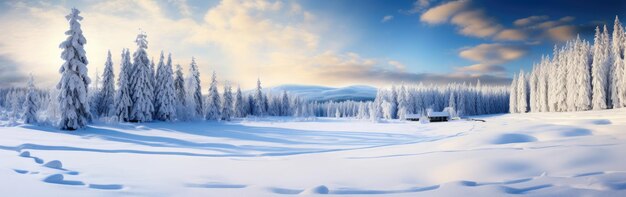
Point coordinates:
[(545, 154)]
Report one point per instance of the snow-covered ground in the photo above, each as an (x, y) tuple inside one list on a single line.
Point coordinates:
[(539, 154)]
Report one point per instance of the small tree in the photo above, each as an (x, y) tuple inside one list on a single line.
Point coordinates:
[(106, 96), (227, 103), (123, 103), (166, 96), (30, 105), (194, 90), (213, 100), (240, 104)]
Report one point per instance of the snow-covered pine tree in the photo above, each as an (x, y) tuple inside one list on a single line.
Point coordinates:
[(600, 69), (152, 75), (583, 75), (123, 103), (141, 89), (402, 103), (560, 87), (522, 93), (239, 105), (285, 107), (227, 102), (213, 101), (194, 89), (74, 82), (452, 104), (617, 68), (513, 95), (106, 101), (393, 100), (258, 108), (30, 105), (179, 88), (543, 84), (532, 84), (166, 96)]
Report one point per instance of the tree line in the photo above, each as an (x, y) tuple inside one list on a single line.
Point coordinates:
[(579, 76)]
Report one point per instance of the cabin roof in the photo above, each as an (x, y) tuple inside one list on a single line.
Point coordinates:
[(439, 114)]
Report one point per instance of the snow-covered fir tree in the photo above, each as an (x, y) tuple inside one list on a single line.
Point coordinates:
[(600, 69), (259, 100), (285, 109), (513, 95), (239, 105), (194, 101), (74, 82), (227, 102), (106, 95), (522, 93), (213, 100), (618, 88), (123, 103), (166, 94), (141, 89), (30, 105), (179, 88)]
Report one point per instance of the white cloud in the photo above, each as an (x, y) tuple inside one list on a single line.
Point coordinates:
[(386, 18), (441, 14)]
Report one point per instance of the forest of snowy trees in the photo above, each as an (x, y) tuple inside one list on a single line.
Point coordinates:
[(143, 93), (579, 76), (396, 103)]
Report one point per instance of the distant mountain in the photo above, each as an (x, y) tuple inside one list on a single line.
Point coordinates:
[(321, 93)]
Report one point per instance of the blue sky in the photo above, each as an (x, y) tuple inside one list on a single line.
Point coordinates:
[(332, 43)]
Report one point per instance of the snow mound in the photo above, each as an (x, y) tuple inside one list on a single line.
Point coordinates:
[(25, 154), (106, 187), (60, 179), (56, 164), (317, 190), (510, 138), (601, 122), (55, 178)]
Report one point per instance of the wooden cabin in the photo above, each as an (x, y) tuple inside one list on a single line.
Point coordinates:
[(412, 117), (443, 116)]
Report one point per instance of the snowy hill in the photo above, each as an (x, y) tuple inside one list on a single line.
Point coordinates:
[(321, 93), (536, 154)]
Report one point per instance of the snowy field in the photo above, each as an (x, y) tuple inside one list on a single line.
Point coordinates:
[(546, 154)]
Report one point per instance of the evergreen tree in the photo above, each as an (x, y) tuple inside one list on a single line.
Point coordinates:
[(179, 88), (522, 93), (30, 105), (259, 103), (452, 104), (123, 103), (74, 82), (166, 96), (285, 107), (194, 89), (600, 69), (227, 103), (106, 101), (213, 100), (617, 69), (583, 75), (239, 105), (513, 95), (142, 91)]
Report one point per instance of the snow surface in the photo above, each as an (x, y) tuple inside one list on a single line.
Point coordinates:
[(536, 154)]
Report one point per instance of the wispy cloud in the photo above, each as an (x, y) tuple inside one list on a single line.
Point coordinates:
[(386, 18)]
